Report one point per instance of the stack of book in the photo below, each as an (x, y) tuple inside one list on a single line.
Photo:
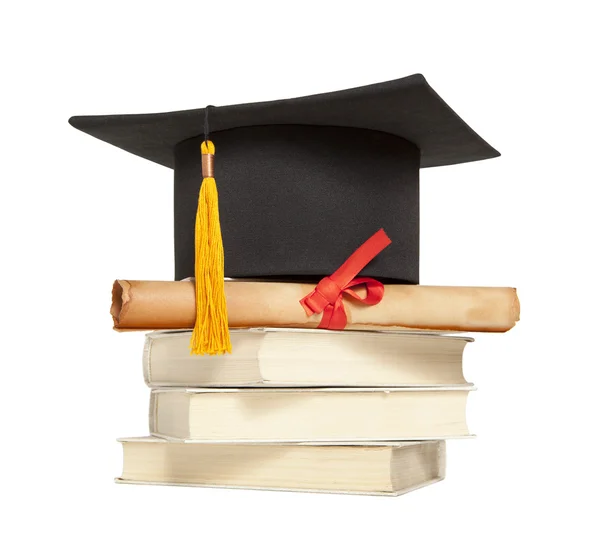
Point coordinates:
[(301, 409), (316, 221)]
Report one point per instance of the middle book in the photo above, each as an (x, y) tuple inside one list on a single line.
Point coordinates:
[(310, 414)]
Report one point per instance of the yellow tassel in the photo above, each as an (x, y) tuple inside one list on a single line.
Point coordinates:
[(211, 332)]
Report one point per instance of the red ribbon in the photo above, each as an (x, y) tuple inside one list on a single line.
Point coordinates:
[(327, 296)]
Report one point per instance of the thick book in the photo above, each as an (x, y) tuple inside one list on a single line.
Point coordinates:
[(310, 415), (304, 358), (354, 469), (145, 305)]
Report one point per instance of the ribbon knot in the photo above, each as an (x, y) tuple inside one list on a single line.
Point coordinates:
[(326, 292), (327, 296)]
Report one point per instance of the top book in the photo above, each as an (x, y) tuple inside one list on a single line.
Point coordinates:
[(305, 358)]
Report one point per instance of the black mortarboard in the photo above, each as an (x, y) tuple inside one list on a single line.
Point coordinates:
[(302, 182)]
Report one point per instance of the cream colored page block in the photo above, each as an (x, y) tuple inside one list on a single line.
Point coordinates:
[(313, 415), (253, 465), (376, 469), (363, 359), (308, 358)]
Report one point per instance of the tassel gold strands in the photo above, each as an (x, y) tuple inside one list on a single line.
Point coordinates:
[(211, 331)]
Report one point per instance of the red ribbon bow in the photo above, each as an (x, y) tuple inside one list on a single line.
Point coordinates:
[(327, 296)]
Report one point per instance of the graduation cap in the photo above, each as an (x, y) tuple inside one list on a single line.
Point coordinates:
[(301, 182)]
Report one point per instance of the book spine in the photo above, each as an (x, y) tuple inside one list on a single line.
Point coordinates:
[(146, 358), (152, 413)]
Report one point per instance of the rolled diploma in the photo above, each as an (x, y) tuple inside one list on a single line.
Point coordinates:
[(155, 305)]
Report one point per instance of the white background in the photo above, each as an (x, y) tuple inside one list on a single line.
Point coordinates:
[(77, 213)]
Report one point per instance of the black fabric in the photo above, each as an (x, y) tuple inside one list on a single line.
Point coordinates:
[(407, 108), (296, 201)]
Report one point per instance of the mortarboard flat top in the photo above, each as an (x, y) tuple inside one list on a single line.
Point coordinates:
[(303, 182), (407, 107)]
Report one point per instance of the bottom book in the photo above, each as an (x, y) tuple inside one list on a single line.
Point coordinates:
[(374, 468)]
